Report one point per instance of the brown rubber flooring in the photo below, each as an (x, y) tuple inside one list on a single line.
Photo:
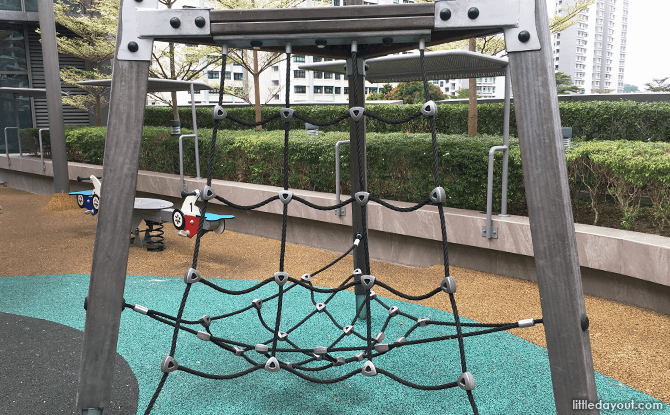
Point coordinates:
[(629, 344)]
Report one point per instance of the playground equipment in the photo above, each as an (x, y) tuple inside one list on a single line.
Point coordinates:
[(188, 218), (355, 32), (89, 199)]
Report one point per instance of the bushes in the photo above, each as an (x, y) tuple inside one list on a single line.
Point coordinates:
[(603, 120), (626, 171)]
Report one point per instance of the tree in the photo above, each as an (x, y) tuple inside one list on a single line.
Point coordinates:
[(412, 92), (658, 85), (564, 84), (386, 88), (94, 24)]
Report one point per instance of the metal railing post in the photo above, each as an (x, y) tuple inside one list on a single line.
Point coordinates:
[(9, 161), (181, 159), (195, 134), (489, 231), (341, 211), (506, 120), (39, 134)]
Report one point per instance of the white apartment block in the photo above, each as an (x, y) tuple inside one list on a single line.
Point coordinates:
[(593, 51)]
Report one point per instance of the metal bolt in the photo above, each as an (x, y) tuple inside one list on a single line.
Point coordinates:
[(175, 22), (445, 14), (473, 13), (585, 322), (387, 41), (133, 47), (524, 36), (200, 21), (255, 44), (321, 43)]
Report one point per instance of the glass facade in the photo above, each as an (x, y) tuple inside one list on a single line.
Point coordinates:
[(14, 74)]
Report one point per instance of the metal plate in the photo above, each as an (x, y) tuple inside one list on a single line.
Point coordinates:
[(492, 13), (527, 23), (156, 23), (130, 32)]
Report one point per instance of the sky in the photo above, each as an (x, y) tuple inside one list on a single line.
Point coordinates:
[(648, 27)]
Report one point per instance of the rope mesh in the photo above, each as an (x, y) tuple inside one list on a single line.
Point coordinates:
[(299, 360)]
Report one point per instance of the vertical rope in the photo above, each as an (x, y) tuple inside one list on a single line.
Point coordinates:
[(196, 249), (443, 226)]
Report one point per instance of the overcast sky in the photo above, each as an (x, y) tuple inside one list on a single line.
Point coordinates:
[(648, 29)]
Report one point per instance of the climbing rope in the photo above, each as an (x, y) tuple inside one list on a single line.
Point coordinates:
[(278, 351)]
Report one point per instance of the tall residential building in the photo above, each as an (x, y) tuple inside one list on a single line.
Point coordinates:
[(593, 51)]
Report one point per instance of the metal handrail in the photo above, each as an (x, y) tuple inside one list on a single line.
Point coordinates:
[(195, 133), (341, 211), (39, 134), (9, 161), (181, 159), (489, 231)]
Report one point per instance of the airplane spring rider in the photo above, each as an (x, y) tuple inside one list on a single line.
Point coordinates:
[(89, 199), (186, 219)]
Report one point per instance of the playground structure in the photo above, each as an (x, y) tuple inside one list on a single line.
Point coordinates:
[(89, 199), (358, 32)]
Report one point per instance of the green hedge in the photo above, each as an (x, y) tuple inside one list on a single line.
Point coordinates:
[(626, 171), (603, 120), (399, 164)]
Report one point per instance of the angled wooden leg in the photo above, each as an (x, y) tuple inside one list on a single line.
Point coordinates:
[(110, 255), (551, 222)]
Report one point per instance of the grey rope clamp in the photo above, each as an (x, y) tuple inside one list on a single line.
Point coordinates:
[(140, 309), (257, 302), (466, 381), (448, 285), (373, 294), (281, 278), (393, 311), (357, 272), (382, 347), (348, 330), (369, 369), (272, 365), (356, 113), (320, 307), (208, 193), (423, 322), (218, 113), (238, 351), (379, 337), (205, 320), (321, 350), (429, 109), (191, 276), (438, 195), (359, 356), (367, 281), (286, 114), (261, 348), (282, 335), (306, 278), (401, 340), (317, 357), (339, 361), (526, 323), (285, 196), (169, 364), (203, 335), (362, 198)]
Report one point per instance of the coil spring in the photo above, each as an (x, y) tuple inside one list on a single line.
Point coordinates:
[(153, 236)]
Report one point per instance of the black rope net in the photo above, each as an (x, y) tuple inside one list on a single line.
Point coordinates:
[(352, 348)]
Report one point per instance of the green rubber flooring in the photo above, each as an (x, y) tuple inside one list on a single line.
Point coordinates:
[(511, 374)]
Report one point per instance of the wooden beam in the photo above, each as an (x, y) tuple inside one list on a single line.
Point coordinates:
[(110, 253), (551, 222)]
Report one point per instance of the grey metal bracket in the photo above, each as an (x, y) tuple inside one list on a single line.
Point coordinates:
[(493, 234), (131, 47), (142, 25), (515, 17)]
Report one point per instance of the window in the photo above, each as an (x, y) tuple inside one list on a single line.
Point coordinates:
[(300, 89), (275, 68), (338, 90), (213, 75), (336, 2), (327, 89), (299, 58), (298, 74), (226, 75), (318, 89), (318, 75), (276, 97), (337, 76), (238, 76), (275, 83), (237, 64), (327, 75), (346, 90), (316, 59)]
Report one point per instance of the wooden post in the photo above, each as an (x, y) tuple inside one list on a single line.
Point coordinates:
[(551, 222), (54, 97), (110, 254), (358, 140)]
